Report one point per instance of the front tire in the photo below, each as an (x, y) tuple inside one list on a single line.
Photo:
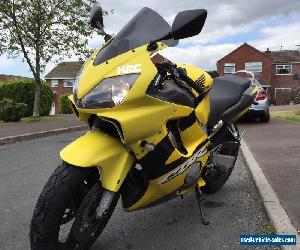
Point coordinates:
[(66, 190)]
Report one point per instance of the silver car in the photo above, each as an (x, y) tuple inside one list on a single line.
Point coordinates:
[(260, 106)]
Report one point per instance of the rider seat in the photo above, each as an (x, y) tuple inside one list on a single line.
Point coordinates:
[(226, 91)]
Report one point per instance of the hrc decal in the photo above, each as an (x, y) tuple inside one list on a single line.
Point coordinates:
[(184, 166), (128, 69)]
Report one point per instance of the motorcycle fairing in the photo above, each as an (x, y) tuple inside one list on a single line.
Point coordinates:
[(165, 168), (108, 154), (159, 189)]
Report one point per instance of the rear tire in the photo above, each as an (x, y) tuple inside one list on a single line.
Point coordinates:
[(53, 203), (215, 179)]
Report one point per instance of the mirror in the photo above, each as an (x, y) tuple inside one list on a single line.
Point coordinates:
[(96, 18), (188, 23)]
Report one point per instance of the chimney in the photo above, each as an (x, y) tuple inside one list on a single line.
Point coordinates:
[(268, 50)]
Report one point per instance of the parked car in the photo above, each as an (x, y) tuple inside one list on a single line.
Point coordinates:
[(260, 106)]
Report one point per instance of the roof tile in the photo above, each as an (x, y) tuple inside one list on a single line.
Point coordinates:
[(284, 56), (65, 70)]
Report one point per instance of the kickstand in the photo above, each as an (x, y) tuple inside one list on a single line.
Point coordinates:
[(200, 200)]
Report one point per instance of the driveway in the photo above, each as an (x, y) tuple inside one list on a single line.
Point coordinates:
[(236, 209), (276, 148)]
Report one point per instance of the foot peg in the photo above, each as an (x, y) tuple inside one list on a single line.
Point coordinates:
[(200, 200)]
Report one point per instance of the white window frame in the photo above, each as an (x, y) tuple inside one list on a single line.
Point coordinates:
[(54, 83), (284, 66), (251, 64), (67, 80), (229, 65)]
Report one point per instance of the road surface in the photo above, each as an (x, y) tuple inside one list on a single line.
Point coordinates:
[(236, 209)]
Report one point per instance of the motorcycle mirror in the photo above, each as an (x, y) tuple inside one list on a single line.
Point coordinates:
[(188, 23), (96, 17)]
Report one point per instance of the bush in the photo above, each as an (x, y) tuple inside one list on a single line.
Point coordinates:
[(23, 90), (65, 106), (11, 111), (213, 73)]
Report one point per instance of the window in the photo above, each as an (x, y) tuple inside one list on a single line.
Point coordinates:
[(54, 83), (69, 83), (283, 69), (229, 68), (253, 66)]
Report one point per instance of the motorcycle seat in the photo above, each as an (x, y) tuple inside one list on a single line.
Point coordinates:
[(226, 91)]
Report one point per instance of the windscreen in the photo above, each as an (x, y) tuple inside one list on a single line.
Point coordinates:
[(147, 25)]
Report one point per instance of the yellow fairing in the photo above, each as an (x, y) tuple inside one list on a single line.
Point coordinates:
[(156, 190), (203, 109), (97, 149)]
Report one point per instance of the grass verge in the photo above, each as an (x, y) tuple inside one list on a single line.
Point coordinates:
[(292, 115)]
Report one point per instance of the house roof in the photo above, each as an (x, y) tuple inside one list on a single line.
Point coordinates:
[(4, 77), (64, 70), (243, 45), (284, 55)]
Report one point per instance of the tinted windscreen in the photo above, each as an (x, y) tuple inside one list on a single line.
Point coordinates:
[(145, 26)]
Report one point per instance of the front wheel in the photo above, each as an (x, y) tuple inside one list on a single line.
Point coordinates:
[(68, 203)]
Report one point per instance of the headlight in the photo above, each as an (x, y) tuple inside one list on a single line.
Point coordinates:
[(108, 93)]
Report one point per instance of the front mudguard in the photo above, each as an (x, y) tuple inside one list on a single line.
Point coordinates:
[(97, 149)]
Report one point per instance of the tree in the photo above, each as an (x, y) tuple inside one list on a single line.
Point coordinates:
[(40, 30), (213, 73)]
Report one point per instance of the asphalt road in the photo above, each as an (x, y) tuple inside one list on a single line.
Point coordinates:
[(235, 210), (278, 155)]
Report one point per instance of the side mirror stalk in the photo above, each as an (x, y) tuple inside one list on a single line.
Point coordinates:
[(153, 44)]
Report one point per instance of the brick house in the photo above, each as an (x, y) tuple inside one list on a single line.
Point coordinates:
[(61, 79), (273, 69)]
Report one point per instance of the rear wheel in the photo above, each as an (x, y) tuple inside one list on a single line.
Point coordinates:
[(70, 193), (213, 176), (265, 117)]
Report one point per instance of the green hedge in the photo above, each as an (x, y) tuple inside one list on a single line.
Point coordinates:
[(11, 111), (22, 91), (65, 106)]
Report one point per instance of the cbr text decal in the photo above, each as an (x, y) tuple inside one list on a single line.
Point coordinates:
[(177, 171)]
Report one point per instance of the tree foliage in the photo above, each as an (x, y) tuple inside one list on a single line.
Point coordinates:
[(213, 73), (65, 106), (10, 111), (22, 91), (40, 30)]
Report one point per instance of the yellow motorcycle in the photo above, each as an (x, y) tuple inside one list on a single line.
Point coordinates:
[(158, 130)]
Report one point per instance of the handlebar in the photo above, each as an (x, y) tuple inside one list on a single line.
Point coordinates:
[(179, 74)]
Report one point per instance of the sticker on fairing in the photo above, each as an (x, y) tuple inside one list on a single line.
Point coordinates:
[(184, 166), (129, 69)]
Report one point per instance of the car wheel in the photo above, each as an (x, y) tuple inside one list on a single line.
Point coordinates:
[(265, 118)]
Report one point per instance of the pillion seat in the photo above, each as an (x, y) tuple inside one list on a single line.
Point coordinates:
[(226, 91)]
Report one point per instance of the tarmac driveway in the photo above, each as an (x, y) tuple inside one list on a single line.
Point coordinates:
[(236, 209), (276, 148)]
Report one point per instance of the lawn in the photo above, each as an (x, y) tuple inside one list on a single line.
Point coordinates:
[(39, 118), (292, 115)]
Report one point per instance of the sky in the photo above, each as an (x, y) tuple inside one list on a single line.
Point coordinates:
[(273, 24)]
